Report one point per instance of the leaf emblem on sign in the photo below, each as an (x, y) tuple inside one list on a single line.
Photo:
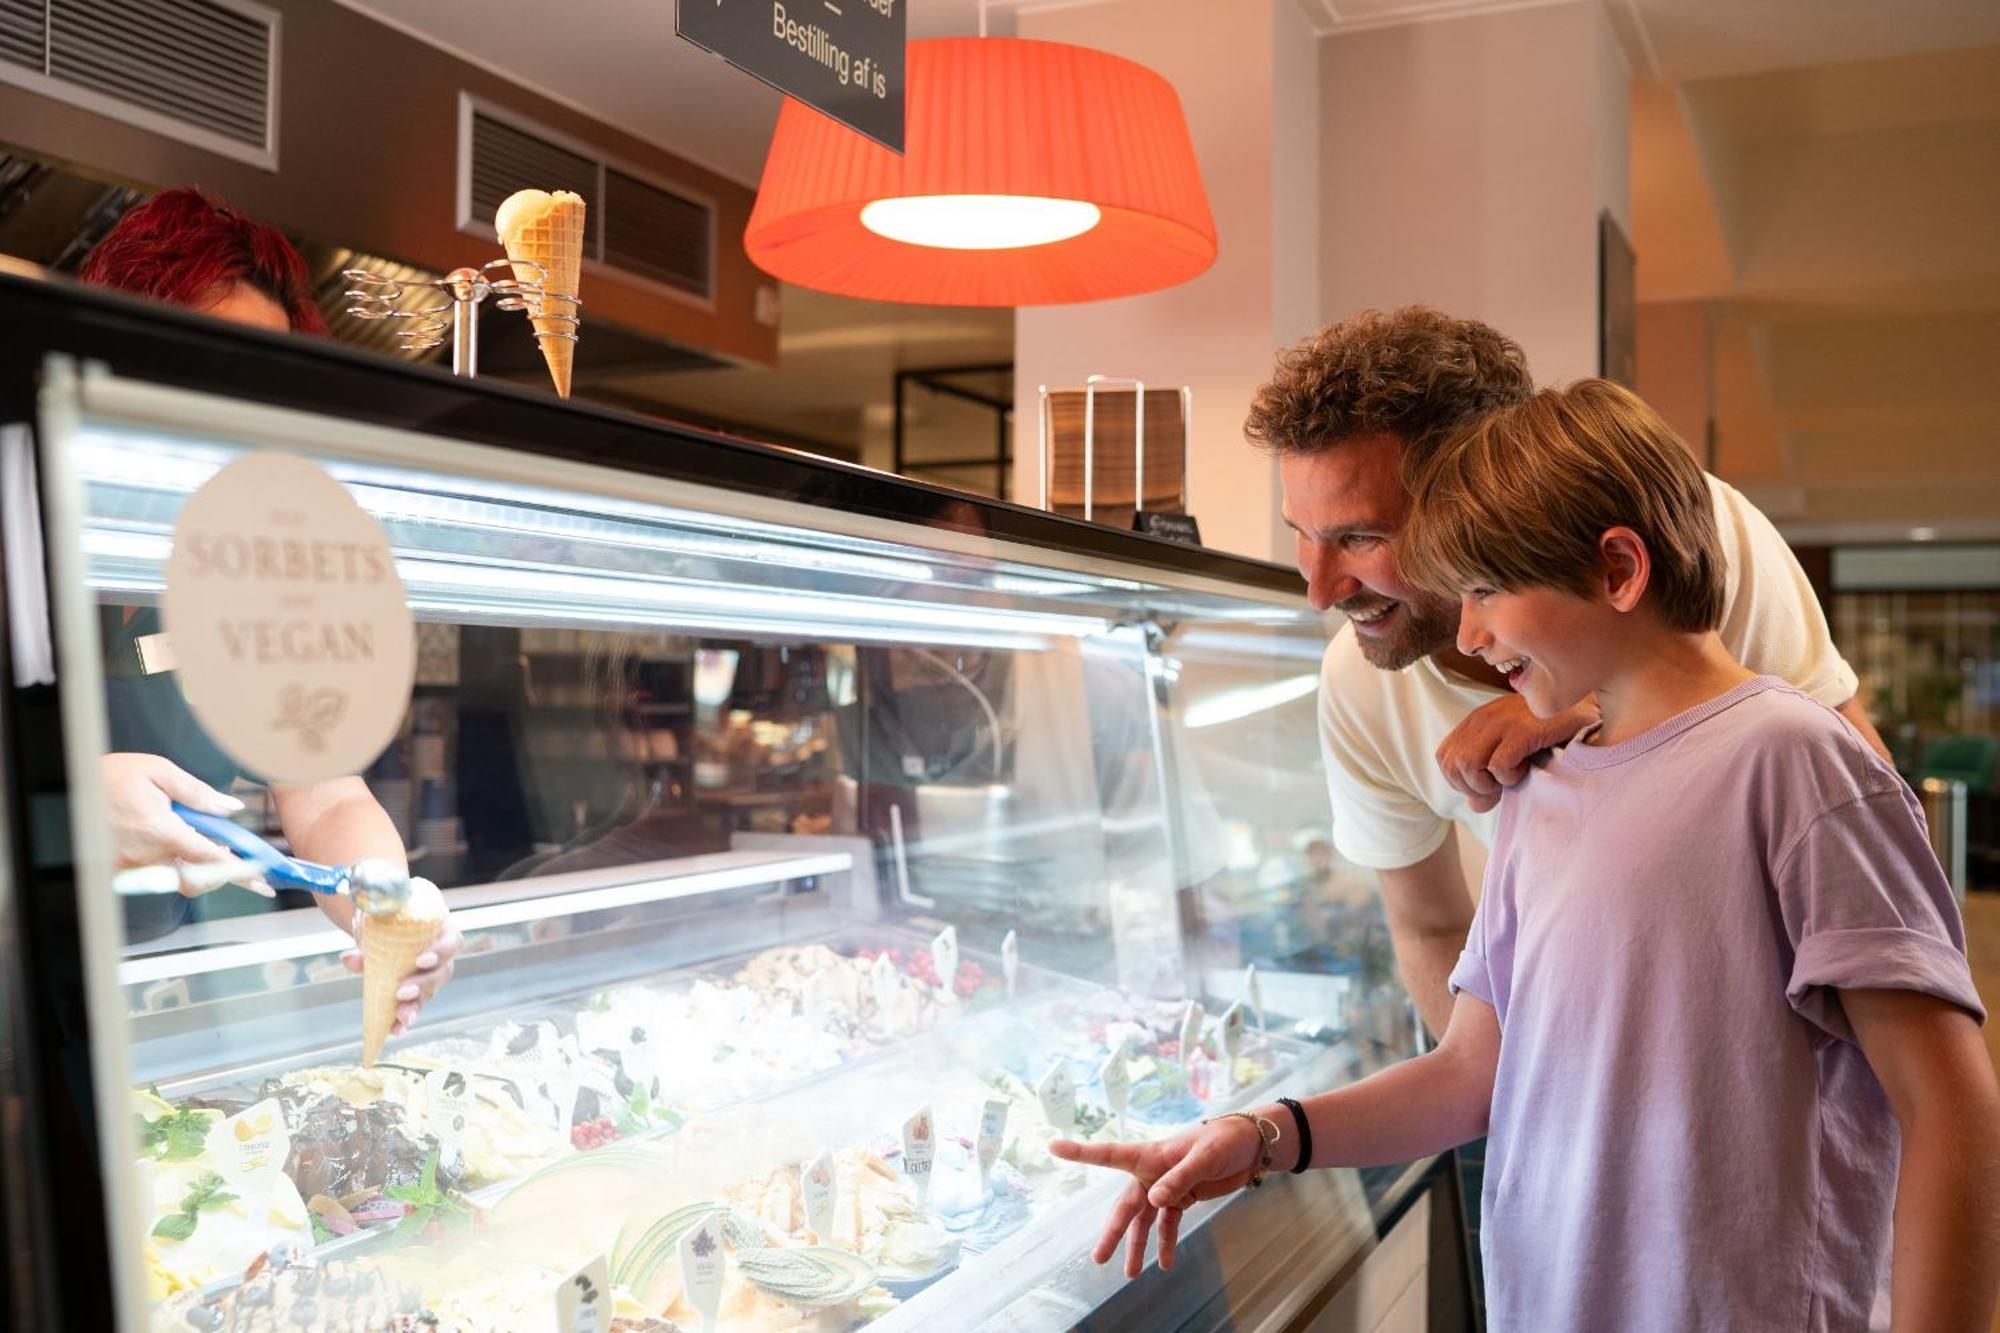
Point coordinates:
[(311, 713), (921, 1131), (703, 1245)]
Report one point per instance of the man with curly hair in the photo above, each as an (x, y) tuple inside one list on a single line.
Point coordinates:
[(1415, 734)]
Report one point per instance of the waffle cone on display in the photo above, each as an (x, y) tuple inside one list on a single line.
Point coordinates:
[(390, 946), (547, 229)]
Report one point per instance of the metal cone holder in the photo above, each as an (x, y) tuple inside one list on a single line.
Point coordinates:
[(377, 297)]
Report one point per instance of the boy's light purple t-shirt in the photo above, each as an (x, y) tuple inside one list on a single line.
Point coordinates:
[(1684, 1135)]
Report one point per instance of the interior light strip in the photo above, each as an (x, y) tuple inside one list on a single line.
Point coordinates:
[(173, 466), (462, 588), (1230, 705), (313, 943)]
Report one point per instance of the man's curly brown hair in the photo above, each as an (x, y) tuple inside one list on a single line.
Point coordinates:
[(1417, 374)]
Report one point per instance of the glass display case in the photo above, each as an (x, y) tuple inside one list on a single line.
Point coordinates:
[(822, 845)]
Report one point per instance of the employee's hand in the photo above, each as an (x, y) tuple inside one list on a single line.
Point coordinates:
[(1167, 1178), (145, 831), (1494, 747), (434, 967)]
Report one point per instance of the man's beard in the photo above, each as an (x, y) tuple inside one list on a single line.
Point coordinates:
[(1427, 625)]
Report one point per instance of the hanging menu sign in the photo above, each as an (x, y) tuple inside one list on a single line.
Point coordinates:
[(841, 57)]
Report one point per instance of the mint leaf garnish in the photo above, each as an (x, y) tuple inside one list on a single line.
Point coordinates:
[(174, 1226)]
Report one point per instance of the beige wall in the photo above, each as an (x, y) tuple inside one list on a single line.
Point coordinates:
[(1676, 357), (1246, 88), (1464, 165), (368, 142)]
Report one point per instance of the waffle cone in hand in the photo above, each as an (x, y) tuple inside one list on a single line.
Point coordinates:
[(390, 946), (547, 229)]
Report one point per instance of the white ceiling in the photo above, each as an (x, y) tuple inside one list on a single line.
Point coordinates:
[(1824, 175), (620, 61), (1837, 223), (1705, 39)]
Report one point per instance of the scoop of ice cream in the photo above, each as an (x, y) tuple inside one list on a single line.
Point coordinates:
[(525, 205), (518, 205), (425, 901)]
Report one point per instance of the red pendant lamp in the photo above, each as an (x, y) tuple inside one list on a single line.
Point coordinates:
[(1035, 173)]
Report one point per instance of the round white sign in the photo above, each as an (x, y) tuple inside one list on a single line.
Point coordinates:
[(289, 626)]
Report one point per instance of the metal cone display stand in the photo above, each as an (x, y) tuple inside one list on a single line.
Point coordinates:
[(377, 297)]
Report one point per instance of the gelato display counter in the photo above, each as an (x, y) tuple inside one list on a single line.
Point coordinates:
[(822, 845)]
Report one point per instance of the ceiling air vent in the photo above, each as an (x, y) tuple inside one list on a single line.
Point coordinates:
[(642, 229), (203, 72), (656, 233), (503, 158), (24, 31)]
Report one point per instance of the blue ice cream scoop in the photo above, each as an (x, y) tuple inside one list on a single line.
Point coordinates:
[(375, 886)]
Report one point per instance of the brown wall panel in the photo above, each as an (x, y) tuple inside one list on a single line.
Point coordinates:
[(367, 156)]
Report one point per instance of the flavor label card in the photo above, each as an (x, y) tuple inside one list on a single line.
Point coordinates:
[(1232, 1041), (251, 1146), (641, 1065), (703, 1267), (1232, 1030), (548, 1043), (821, 996), (919, 1151), (1253, 990), (944, 957), (992, 1132), (1191, 1021), (168, 994), (882, 976), (558, 1090), (816, 1182), (1057, 1092), (1010, 960), (1115, 1076), (584, 1300), (452, 1104)]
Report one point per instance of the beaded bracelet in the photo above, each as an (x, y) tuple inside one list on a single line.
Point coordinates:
[(1267, 1139)]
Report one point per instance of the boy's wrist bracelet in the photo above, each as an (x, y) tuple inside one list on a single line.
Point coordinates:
[(1267, 1139), (1305, 1134)]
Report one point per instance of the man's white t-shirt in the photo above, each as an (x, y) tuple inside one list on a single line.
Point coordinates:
[(1379, 730)]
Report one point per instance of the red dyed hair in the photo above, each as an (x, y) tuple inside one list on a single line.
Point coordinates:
[(182, 246)]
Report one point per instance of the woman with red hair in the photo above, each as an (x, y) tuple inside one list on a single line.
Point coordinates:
[(185, 248)]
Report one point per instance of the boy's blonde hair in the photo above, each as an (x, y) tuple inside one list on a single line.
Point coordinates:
[(1519, 498)]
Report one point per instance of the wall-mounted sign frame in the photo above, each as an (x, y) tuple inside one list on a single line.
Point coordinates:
[(840, 57)]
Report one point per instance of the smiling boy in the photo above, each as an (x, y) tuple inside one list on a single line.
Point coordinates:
[(1416, 735), (1714, 1013)]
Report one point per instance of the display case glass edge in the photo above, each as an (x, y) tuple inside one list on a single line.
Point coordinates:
[(73, 624), (494, 905)]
